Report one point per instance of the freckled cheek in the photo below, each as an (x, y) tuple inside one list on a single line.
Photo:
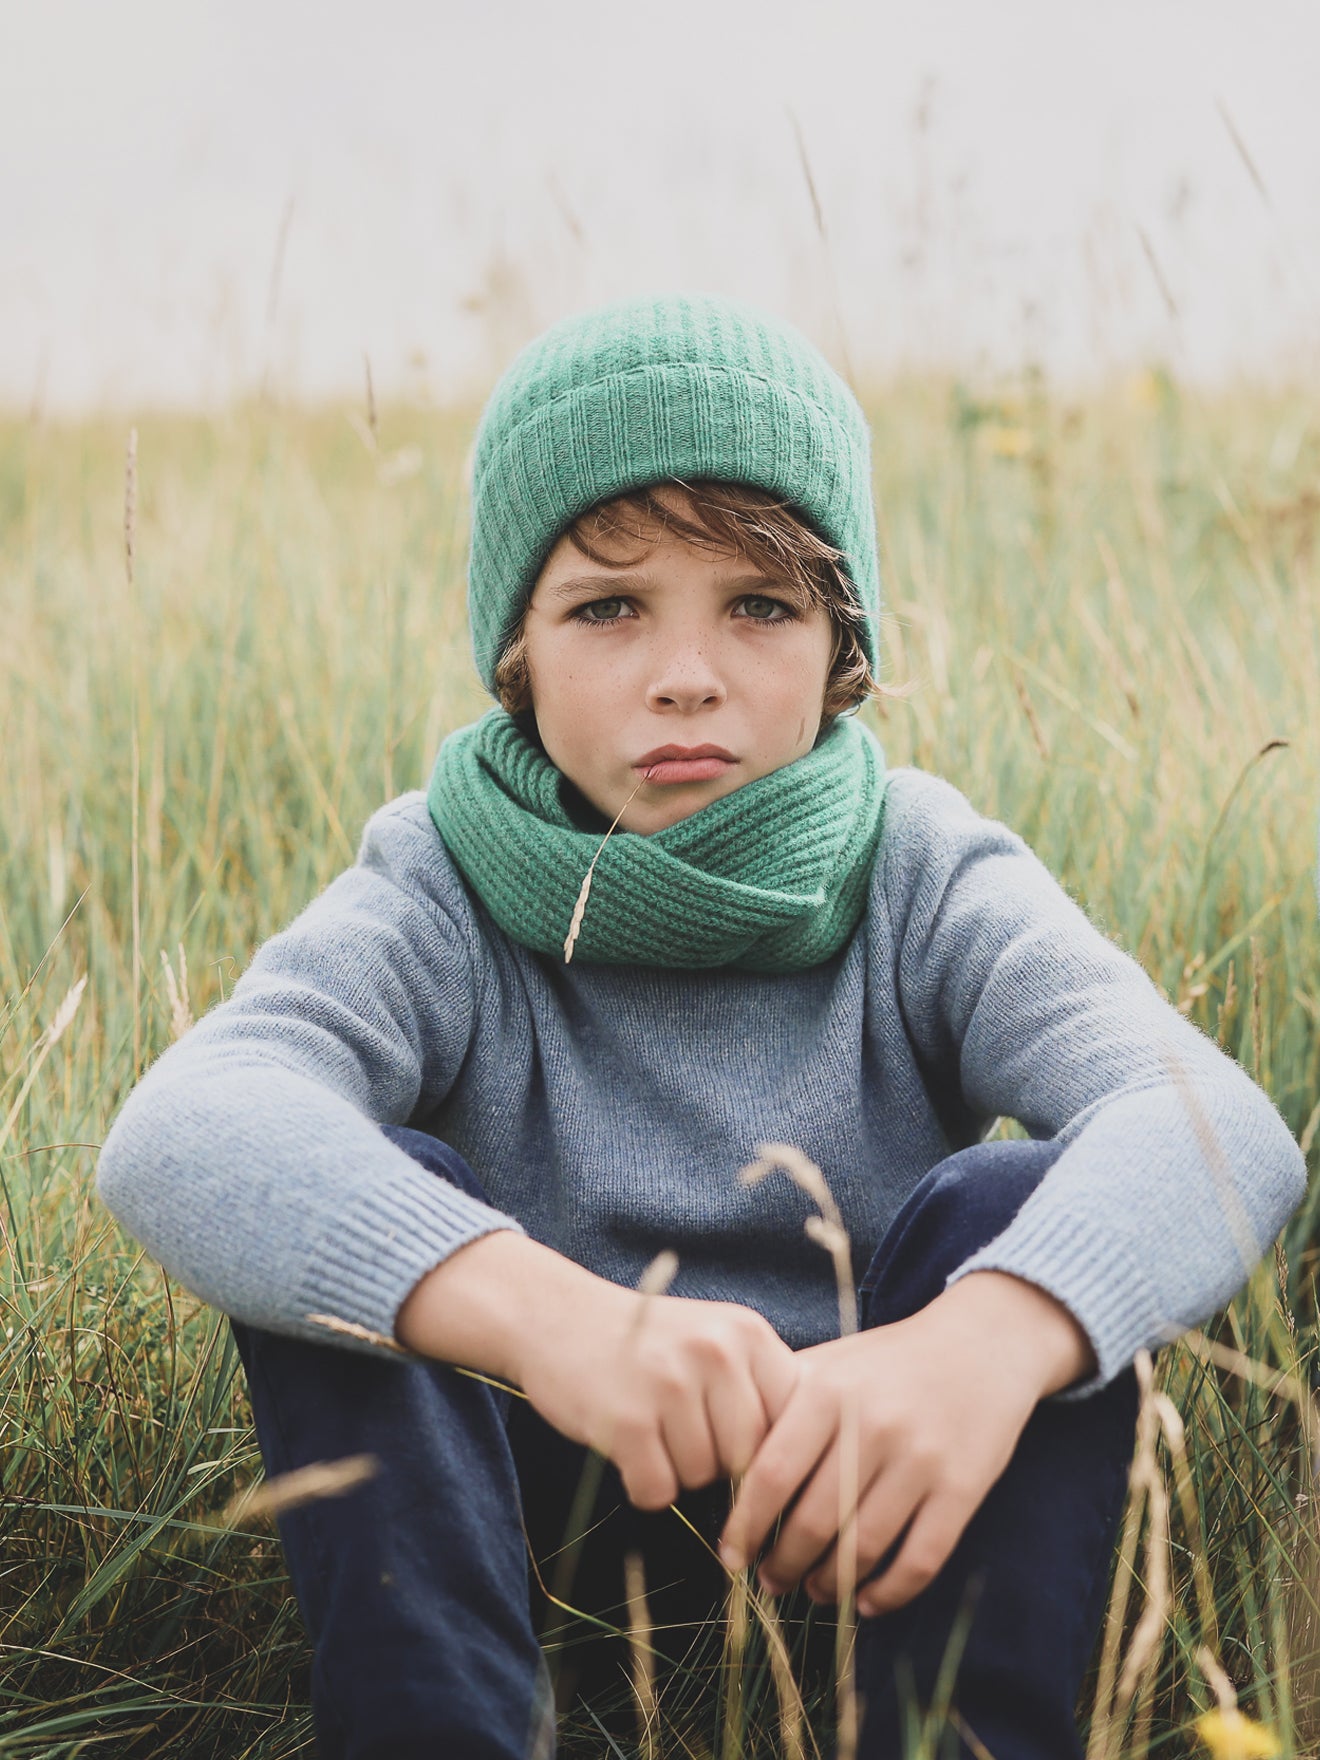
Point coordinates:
[(581, 709)]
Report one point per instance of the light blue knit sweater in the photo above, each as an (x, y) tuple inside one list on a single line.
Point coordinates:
[(609, 1109)]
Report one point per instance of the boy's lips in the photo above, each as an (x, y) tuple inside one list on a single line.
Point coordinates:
[(685, 764)]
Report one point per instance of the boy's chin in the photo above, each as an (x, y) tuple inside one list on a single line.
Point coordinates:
[(671, 805)]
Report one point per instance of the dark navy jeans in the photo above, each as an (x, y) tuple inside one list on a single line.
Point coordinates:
[(415, 1587)]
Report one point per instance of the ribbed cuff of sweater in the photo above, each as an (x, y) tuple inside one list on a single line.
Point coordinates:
[(395, 1230), (1094, 1278)]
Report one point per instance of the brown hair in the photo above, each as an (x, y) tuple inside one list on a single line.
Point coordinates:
[(746, 520)]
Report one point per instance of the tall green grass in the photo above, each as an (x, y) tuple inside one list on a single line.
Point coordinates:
[(1107, 615)]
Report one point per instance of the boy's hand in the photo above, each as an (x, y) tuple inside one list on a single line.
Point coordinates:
[(676, 1392), (934, 1406)]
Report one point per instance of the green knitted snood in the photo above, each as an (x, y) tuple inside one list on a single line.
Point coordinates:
[(771, 878)]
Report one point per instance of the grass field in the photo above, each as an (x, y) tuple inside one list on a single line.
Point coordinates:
[(1106, 613)]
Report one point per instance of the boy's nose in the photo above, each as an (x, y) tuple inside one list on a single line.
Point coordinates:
[(685, 680)]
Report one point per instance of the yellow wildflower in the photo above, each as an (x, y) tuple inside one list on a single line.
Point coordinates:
[(1231, 1736)]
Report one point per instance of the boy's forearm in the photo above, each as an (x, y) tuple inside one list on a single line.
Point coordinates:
[(476, 1307)]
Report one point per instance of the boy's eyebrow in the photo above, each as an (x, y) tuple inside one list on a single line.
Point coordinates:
[(615, 583)]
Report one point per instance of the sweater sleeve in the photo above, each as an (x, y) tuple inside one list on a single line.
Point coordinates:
[(1176, 1172), (249, 1159)]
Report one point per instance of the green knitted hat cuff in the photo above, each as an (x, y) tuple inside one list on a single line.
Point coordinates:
[(644, 425)]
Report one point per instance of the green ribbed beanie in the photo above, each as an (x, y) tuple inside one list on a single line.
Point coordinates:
[(675, 385)]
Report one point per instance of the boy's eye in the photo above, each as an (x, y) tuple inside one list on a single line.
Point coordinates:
[(602, 611), (762, 609)]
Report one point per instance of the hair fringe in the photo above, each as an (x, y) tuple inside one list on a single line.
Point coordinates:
[(741, 518)]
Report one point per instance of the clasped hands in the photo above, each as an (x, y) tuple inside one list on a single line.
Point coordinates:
[(895, 1434), (680, 1392)]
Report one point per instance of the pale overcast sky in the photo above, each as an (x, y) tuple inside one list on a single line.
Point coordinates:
[(202, 195)]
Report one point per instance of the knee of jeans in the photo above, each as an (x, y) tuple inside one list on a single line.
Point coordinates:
[(436, 1157), (986, 1185), (958, 1208)]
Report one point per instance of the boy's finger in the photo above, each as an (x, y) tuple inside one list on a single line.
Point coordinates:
[(777, 1371), (689, 1443), (886, 1507), (738, 1421), (795, 1443), (934, 1533), (647, 1472), (810, 1530)]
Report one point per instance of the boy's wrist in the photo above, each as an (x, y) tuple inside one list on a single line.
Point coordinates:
[(1027, 1324), (478, 1307)]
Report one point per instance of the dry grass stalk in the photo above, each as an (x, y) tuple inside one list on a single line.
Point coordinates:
[(978, 1748), (1281, 1272), (1137, 1678), (1234, 134), (1033, 722), (1175, 1440), (849, 1730), (63, 1016), (1302, 1551), (584, 893), (288, 716), (788, 1694), (130, 503), (654, 1281), (1099, 637), (304, 1485), (818, 215), (130, 552), (1223, 1689), (59, 1025), (351, 1329), (1257, 1031), (736, 1624), (643, 1658), (1302, 1589), (659, 1274), (827, 1230), (181, 1015), (1308, 1136), (1221, 817), (1287, 1385), (795, 1736), (373, 422), (1229, 1006), (1106, 1720)]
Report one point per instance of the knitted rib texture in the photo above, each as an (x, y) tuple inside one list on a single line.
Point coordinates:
[(771, 878), (643, 390)]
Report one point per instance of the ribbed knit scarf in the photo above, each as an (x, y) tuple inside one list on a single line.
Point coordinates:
[(771, 878)]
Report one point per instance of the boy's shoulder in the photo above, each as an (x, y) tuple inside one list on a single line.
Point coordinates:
[(909, 789), (400, 841), (933, 840), (925, 814)]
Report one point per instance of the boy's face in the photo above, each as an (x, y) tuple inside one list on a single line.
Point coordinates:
[(690, 670)]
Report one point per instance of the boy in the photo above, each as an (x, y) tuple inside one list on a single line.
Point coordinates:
[(467, 1097)]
